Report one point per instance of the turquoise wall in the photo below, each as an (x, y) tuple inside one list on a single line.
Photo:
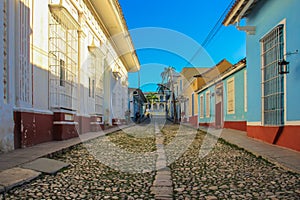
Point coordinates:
[(205, 119), (265, 16), (239, 82), (240, 113)]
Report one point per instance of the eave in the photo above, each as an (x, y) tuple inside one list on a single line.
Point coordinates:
[(239, 10), (231, 70), (111, 16)]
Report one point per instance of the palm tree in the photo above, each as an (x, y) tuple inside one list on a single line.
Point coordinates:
[(151, 97), (167, 83)]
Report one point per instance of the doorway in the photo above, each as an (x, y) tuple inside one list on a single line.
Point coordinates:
[(219, 106)]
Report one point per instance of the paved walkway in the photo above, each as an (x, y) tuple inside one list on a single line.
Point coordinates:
[(280, 156), (21, 156), (162, 186), (275, 154)]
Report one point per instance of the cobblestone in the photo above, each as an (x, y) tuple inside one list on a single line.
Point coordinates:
[(228, 173), (88, 178), (225, 173)]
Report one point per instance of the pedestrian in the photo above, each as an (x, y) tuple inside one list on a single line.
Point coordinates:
[(137, 117)]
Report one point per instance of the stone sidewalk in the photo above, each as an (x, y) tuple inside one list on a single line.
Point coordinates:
[(280, 156), (13, 170), (21, 156)]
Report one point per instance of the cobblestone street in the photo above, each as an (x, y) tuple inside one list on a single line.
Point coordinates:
[(122, 165)]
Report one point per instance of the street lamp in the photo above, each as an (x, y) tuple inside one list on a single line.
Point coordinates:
[(283, 67)]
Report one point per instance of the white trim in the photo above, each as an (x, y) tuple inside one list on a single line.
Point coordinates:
[(32, 110), (84, 115), (292, 123), (245, 91), (262, 79), (63, 111), (254, 124), (288, 123), (233, 13), (284, 75), (64, 123), (96, 123), (283, 22)]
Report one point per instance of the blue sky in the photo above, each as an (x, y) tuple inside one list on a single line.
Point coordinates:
[(176, 27)]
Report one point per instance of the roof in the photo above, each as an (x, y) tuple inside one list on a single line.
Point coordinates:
[(222, 70), (189, 72), (212, 73), (239, 10), (219, 68), (139, 93), (109, 12)]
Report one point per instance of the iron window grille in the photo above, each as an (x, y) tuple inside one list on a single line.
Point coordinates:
[(63, 55), (272, 82), (24, 72)]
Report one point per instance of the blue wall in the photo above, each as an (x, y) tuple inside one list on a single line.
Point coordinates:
[(205, 119), (240, 114), (265, 16)]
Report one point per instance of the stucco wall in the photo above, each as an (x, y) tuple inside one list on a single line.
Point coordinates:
[(39, 54), (239, 113), (6, 107), (266, 16)]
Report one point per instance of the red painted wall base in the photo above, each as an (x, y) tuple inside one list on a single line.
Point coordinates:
[(237, 125), (32, 128), (96, 123), (35, 128), (207, 124), (193, 120), (64, 131), (64, 126), (287, 136), (84, 124)]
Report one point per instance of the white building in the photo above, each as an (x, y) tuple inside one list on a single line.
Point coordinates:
[(63, 71)]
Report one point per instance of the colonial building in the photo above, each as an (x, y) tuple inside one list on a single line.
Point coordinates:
[(273, 89), (187, 104), (64, 69), (137, 103), (222, 96), (157, 103)]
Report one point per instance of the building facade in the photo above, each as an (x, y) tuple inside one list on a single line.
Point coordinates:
[(65, 65), (272, 37), (221, 99), (137, 103), (158, 103), (187, 104)]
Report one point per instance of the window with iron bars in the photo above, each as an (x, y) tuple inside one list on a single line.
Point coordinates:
[(272, 82), (99, 91), (63, 55), (24, 71), (96, 92)]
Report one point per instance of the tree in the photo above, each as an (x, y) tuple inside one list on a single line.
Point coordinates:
[(168, 83), (151, 97)]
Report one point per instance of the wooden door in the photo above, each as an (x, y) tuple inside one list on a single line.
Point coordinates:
[(219, 106)]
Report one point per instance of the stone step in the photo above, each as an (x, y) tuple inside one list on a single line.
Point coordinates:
[(46, 165), (13, 177)]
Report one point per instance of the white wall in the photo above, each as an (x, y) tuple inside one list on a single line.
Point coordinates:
[(39, 56), (6, 107)]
